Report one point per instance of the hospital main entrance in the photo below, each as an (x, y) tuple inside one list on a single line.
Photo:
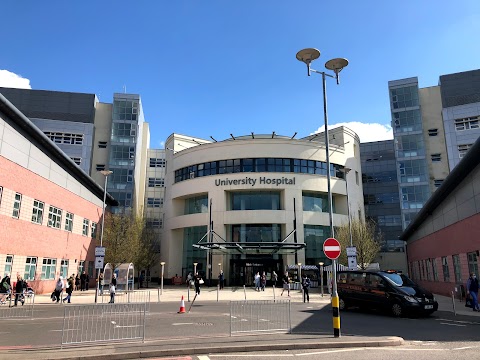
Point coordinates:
[(242, 271)]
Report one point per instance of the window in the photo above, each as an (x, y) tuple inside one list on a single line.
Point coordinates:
[(54, 217), (69, 222), (432, 132), (413, 197), (154, 202), (463, 149), (436, 157), (77, 160), (90, 269), (86, 223), (467, 123), (196, 205), (65, 138), (315, 202), (94, 230), (255, 200), (122, 155), (8, 264), (154, 223), (30, 268), (37, 212), (472, 263), (64, 269), (16, 205), (81, 266), (102, 144), (155, 162), (429, 269), (457, 269), (49, 266), (404, 97), (438, 182), (156, 182), (434, 269), (446, 272), (100, 167)]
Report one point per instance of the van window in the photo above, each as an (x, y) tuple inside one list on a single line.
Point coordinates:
[(356, 279), (374, 281), (394, 278), (342, 278)]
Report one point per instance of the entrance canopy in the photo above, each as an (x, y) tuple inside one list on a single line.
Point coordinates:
[(251, 247)]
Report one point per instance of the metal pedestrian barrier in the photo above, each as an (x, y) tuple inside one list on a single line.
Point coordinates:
[(264, 316), (130, 297), (103, 323), (23, 308)]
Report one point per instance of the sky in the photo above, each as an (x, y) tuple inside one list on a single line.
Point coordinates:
[(215, 68)]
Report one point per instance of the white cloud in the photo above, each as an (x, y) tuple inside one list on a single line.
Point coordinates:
[(366, 131), (11, 80), (162, 144)]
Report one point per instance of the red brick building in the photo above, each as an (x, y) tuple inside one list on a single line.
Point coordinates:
[(443, 242), (50, 209)]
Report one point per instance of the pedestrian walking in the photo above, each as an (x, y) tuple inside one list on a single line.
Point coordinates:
[(59, 286), (472, 290), (274, 278), (256, 280), (286, 284), (113, 289), (19, 290), (189, 279), (263, 281), (140, 280), (221, 279), (83, 279), (69, 288), (100, 283), (197, 280), (306, 286)]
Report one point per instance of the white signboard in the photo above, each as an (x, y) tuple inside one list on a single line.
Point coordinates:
[(99, 262), (100, 251), (351, 251), (352, 263)]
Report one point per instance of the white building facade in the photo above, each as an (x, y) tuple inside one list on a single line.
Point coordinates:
[(255, 203)]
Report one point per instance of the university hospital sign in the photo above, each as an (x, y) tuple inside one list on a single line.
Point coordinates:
[(252, 181)]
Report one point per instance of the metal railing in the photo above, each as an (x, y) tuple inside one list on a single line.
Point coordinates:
[(129, 297), (260, 316), (103, 323), (23, 308)]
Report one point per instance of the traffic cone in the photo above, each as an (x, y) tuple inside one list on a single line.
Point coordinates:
[(182, 307)]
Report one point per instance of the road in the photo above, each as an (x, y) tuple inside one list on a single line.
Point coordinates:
[(211, 319)]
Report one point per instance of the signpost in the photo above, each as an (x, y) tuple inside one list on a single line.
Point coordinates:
[(99, 264), (352, 257), (332, 250)]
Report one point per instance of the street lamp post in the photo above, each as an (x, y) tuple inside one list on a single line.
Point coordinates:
[(336, 65), (321, 277), (161, 283), (195, 268), (104, 173)]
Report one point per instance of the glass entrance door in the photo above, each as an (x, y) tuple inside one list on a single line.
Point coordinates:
[(243, 270)]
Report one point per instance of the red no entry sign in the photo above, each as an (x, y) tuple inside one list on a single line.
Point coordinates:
[(331, 248)]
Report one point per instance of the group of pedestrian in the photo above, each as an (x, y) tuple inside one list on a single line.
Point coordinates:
[(260, 281), (84, 281), (6, 289), (195, 280)]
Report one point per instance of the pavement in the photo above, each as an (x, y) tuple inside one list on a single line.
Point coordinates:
[(207, 344)]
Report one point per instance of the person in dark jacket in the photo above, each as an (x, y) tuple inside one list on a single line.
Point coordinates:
[(83, 279), (87, 281), (472, 290), (77, 282), (19, 291), (305, 286), (196, 282), (69, 289)]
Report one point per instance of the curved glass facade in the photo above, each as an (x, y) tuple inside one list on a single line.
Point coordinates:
[(281, 165), (255, 200)]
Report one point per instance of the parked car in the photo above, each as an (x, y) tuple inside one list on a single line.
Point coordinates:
[(384, 290)]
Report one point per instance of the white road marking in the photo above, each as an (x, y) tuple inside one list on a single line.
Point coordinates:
[(55, 330), (175, 324), (403, 349), (452, 324), (329, 351), (466, 347), (203, 357), (254, 355)]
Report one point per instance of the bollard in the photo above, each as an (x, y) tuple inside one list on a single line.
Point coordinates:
[(245, 292), (188, 293), (336, 316), (218, 290), (453, 302), (158, 294), (273, 292)]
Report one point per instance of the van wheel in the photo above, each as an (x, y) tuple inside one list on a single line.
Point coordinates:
[(342, 305), (397, 310)]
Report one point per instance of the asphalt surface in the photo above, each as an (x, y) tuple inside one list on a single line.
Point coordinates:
[(206, 329)]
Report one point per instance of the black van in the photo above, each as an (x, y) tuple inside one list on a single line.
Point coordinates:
[(386, 290)]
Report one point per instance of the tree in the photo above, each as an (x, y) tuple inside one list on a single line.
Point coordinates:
[(128, 239), (364, 237)]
